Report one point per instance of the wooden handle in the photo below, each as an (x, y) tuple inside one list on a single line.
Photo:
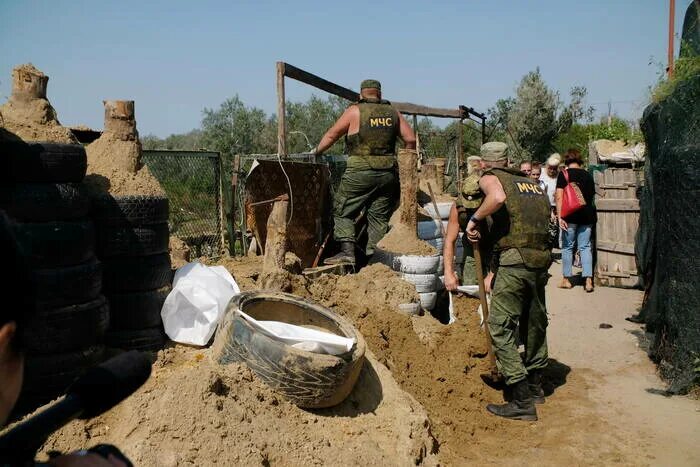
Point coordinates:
[(432, 199), (484, 307)]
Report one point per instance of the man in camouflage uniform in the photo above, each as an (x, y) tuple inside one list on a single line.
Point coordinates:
[(519, 210), (371, 129), (467, 203)]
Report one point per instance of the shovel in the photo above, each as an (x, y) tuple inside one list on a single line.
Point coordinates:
[(493, 377)]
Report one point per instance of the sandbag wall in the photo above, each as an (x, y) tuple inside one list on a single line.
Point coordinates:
[(431, 232), (426, 272), (42, 192), (132, 243)]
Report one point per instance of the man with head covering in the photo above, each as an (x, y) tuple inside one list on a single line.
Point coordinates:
[(468, 201), (371, 128), (519, 211)]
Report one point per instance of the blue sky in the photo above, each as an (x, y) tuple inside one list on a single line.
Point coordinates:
[(175, 57)]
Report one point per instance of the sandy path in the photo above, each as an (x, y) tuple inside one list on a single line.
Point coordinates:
[(621, 381)]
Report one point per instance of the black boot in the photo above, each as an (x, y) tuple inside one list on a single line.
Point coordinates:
[(522, 407), (346, 255), (534, 381)]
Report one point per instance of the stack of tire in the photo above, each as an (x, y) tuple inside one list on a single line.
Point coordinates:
[(132, 243), (431, 232), (64, 332)]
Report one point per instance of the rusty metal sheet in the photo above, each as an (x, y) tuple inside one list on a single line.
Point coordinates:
[(310, 204)]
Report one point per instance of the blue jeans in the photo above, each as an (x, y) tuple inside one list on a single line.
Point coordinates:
[(581, 234)]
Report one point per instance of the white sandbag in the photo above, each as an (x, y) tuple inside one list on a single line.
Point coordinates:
[(414, 264), (197, 302), (423, 282), (411, 309), (438, 243), (310, 340), (428, 300), (443, 210), (428, 230)]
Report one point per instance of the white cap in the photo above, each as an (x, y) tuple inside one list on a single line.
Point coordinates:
[(554, 159)]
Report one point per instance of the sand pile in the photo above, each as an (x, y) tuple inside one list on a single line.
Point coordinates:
[(179, 252), (402, 239), (194, 412), (440, 369), (28, 114), (114, 159)]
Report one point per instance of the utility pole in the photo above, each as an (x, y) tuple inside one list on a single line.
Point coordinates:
[(609, 114), (671, 29)]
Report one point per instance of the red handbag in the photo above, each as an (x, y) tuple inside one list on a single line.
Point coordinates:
[(572, 199)]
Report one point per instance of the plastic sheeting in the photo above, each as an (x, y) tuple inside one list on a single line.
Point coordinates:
[(197, 302)]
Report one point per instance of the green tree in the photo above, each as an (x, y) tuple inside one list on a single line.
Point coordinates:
[(235, 128), (537, 116), (308, 121), (190, 141)]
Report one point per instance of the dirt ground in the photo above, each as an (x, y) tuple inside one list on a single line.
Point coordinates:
[(420, 398)]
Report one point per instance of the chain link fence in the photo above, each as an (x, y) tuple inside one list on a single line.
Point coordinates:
[(192, 182)]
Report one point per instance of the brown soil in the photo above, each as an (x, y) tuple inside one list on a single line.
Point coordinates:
[(179, 252), (194, 412), (114, 166), (225, 415), (402, 239), (32, 119)]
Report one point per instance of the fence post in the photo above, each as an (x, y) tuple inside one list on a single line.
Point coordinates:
[(219, 201), (234, 194)]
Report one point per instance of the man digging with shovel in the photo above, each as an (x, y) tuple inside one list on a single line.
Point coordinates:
[(519, 210)]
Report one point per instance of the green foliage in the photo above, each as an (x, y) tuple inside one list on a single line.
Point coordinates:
[(579, 135), (684, 69), (308, 121), (189, 141), (235, 128), (537, 116)]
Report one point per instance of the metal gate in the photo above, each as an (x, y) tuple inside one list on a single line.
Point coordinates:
[(192, 182)]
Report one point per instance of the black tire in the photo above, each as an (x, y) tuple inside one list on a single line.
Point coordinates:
[(55, 287), (67, 328), (42, 162), (144, 340), (130, 210), (45, 202), (55, 244), (136, 273), (137, 310), (126, 240), (307, 379), (48, 376)]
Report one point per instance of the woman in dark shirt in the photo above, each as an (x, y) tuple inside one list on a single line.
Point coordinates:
[(577, 226)]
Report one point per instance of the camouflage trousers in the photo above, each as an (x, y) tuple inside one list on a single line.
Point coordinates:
[(376, 191), (518, 299)]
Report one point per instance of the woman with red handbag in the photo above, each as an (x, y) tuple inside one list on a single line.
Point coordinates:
[(577, 216)]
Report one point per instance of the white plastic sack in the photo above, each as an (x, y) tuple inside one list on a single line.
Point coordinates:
[(414, 264), (443, 211), (196, 303), (428, 230), (423, 282), (302, 338)]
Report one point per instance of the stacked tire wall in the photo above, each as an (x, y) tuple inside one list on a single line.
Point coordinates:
[(132, 243), (43, 195), (426, 272)]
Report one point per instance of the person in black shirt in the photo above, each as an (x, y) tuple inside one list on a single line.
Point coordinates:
[(577, 226)]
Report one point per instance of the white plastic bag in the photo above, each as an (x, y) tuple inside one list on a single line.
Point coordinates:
[(302, 338), (197, 302)]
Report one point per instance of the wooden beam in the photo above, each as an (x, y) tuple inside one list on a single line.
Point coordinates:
[(281, 111), (340, 91), (615, 247), (617, 205)]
